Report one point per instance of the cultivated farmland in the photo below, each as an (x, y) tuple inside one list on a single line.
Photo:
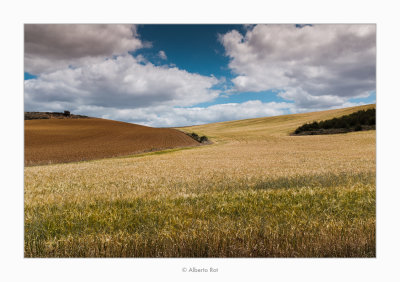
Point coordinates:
[(66, 140), (255, 192)]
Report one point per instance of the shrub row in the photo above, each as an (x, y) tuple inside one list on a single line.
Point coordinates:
[(352, 122), (201, 139), (48, 115)]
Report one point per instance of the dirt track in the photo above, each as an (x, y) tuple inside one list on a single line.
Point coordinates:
[(68, 140)]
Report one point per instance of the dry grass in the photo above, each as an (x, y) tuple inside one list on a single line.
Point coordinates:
[(256, 192), (68, 140)]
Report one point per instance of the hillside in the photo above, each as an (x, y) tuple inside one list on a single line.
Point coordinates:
[(256, 191), (259, 128), (66, 140)]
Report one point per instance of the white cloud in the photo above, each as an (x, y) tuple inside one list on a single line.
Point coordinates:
[(169, 116), (315, 66), (221, 112), (162, 55), (87, 69), (121, 83), (50, 47)]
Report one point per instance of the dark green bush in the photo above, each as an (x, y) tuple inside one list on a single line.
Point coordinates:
[(371, 121), (203, 139), (352, 122), (196, 137)]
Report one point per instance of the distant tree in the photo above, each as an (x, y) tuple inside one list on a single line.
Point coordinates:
[(203, 139), (195, 136), (67, 113)]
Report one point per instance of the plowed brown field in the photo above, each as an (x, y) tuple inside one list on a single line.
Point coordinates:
[(68, 140)]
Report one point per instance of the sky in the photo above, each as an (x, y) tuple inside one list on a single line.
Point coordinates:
[(179, 75)]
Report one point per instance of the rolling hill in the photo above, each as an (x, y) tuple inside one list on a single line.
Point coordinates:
[(67, 140), (257, 128), (256, 191)]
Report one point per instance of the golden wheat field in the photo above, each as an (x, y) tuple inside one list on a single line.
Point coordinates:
[(255, 192)]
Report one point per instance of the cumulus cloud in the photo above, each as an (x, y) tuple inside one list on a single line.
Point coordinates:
[(314, 66), (169, 116), (50, 47), (89, 69), (162, 55), (217, 113), (122, 82), (128, 89)]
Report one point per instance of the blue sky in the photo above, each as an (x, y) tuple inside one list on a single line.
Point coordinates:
[(28, 76), (176, 75), (194, 48)]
